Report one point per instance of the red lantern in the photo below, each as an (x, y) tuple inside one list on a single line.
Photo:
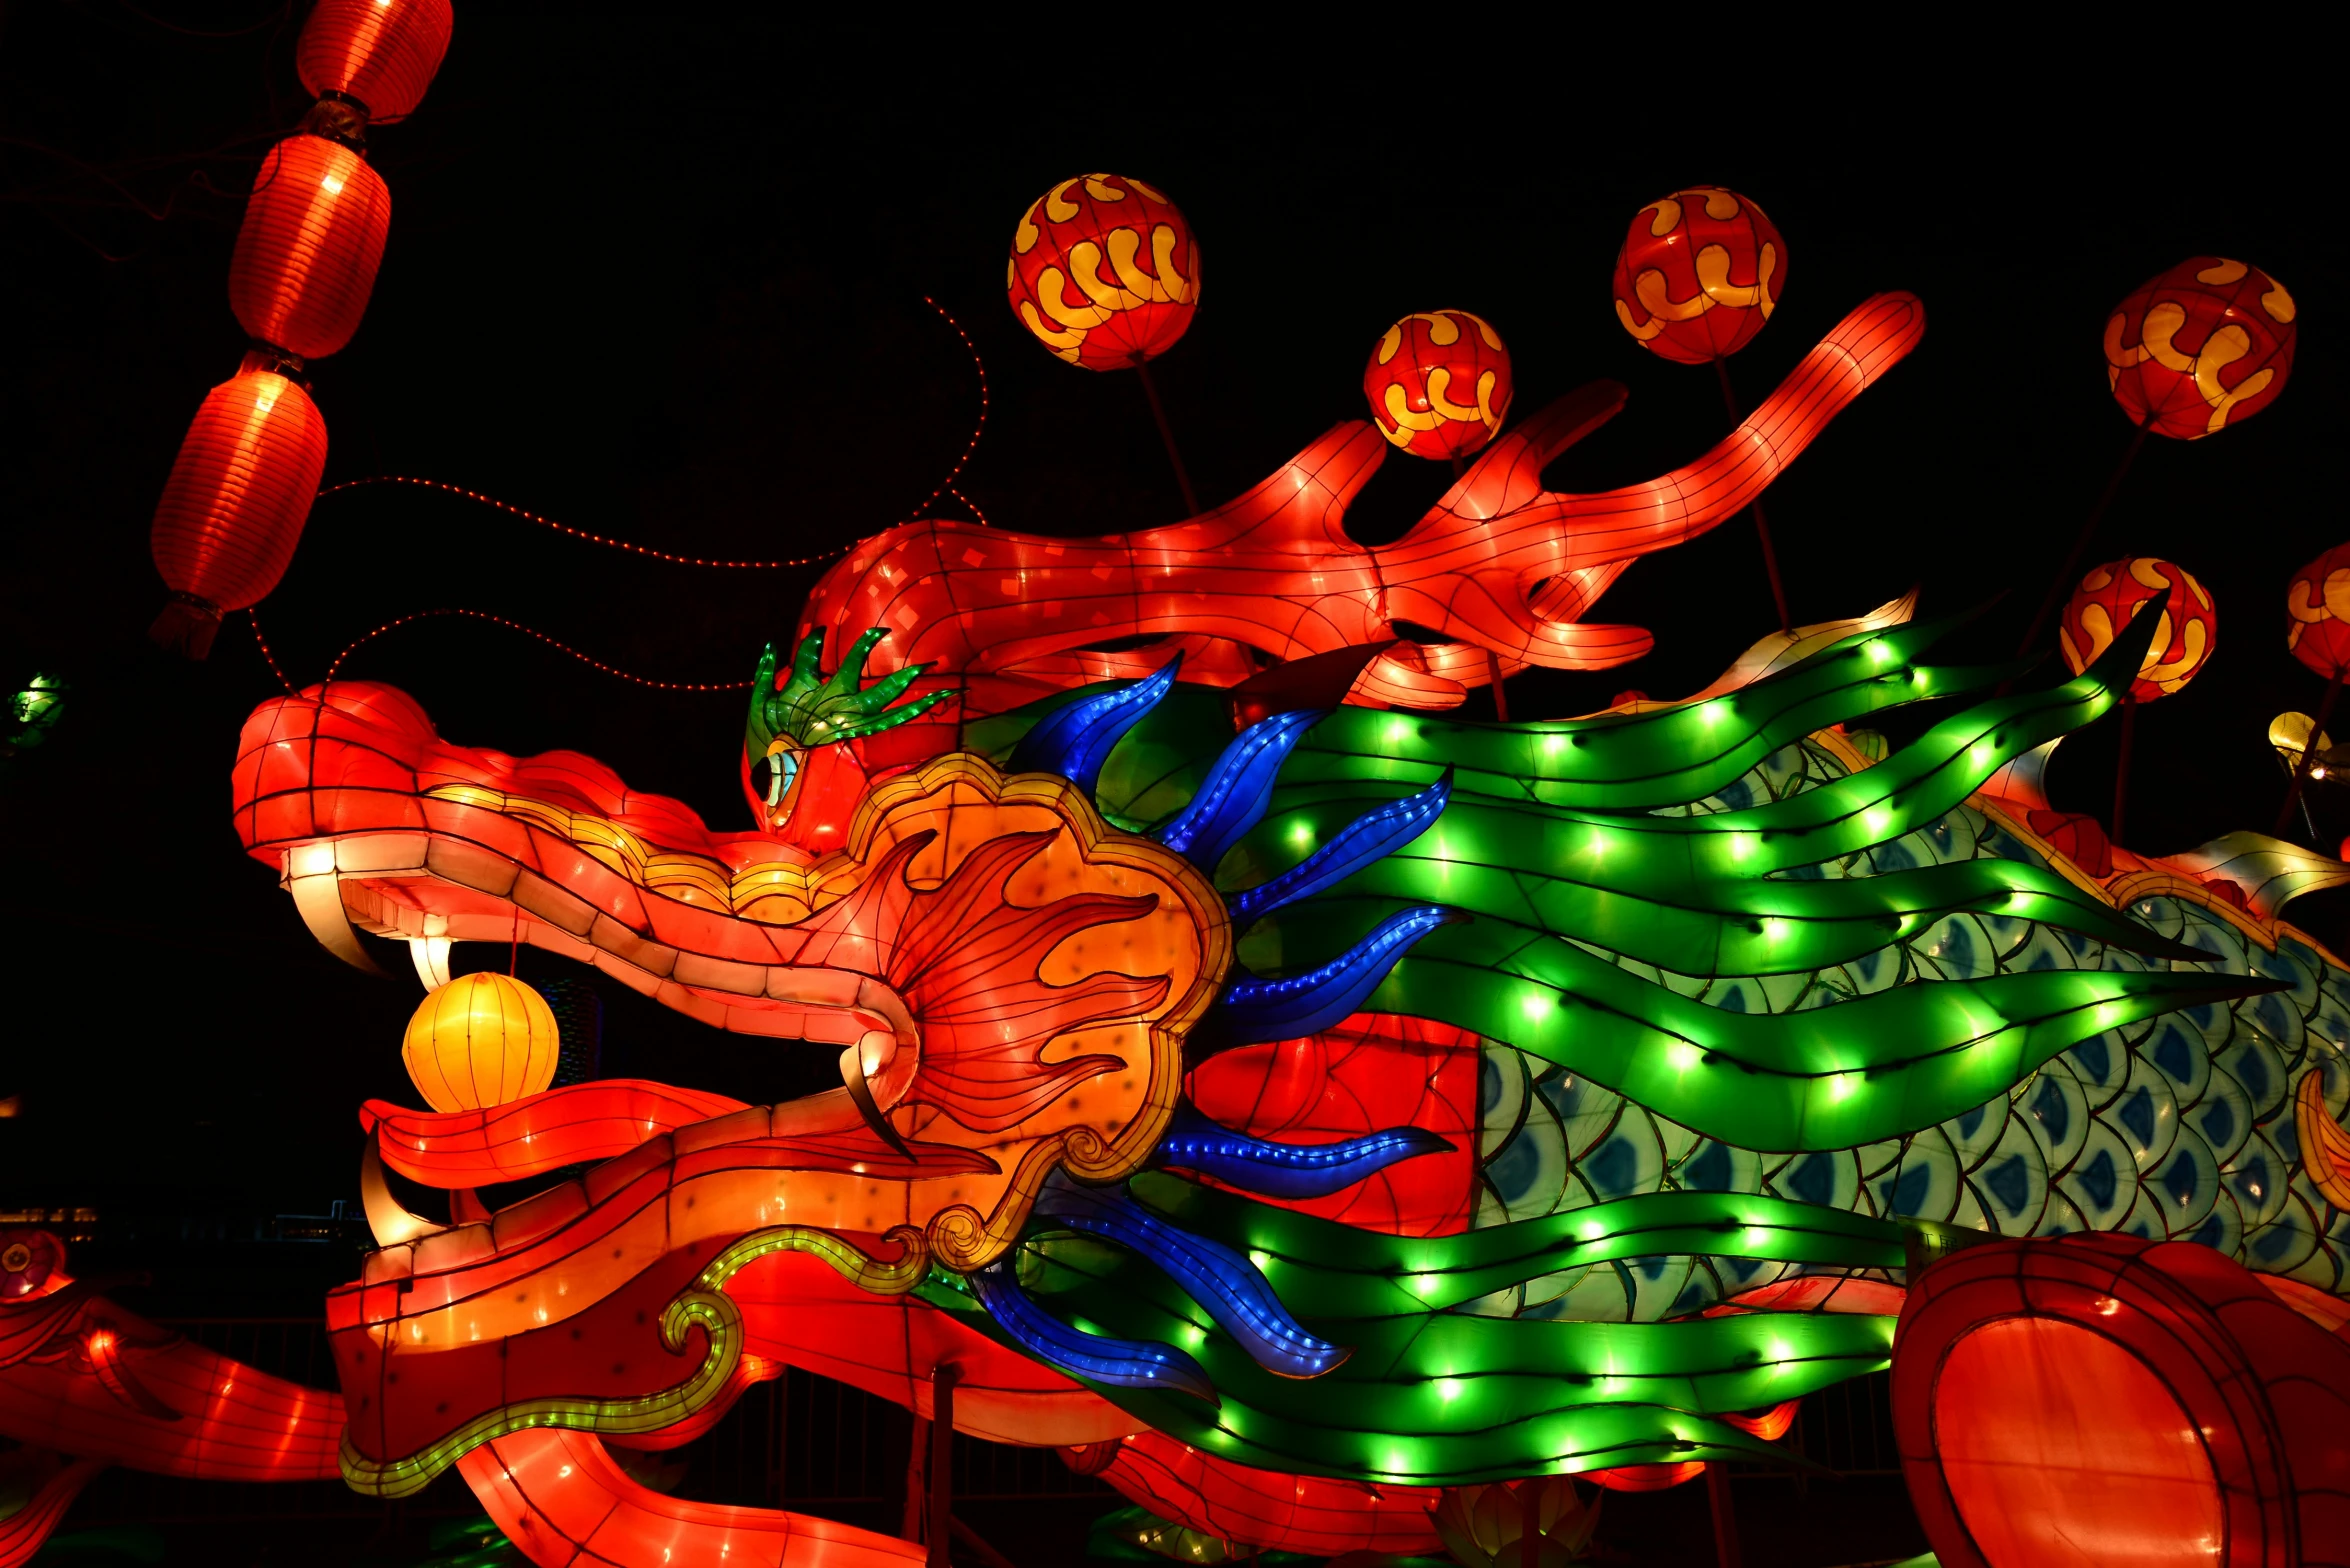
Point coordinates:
[(1439, 383), (2208, 342), (306, 257), (382, 53), (1104, 271), (1699, 274), (233, 508), (2107, 598), (2318, 603)]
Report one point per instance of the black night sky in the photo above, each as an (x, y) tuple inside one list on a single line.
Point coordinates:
[(662, 279)]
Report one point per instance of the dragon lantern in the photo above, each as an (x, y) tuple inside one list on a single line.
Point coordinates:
[(1303, 1121)]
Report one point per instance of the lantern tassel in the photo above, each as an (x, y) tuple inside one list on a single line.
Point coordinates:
[(186, 627)]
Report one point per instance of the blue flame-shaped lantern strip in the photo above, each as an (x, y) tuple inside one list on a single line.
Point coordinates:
[(1238, 788), (1291, 1008), (1286, 1170), (1223, 1282), (1120, 1363), (1372, 836), (1076, 740)]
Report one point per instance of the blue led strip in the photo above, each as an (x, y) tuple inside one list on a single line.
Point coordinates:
[(1372, 836), (1238, 788), (1305, 1004), (1076, 740), (1120, 1363), (1212, 1274), (1286, 1170)]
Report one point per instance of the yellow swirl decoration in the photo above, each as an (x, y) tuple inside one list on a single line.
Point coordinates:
[(1109, 269), (2226, 345)]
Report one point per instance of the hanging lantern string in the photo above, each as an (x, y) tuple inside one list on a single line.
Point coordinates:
[(946, 486), (555, 643), (274, 667), (529, 516)]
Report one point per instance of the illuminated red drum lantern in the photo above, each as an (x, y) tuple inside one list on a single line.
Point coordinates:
[(234, 506), (1439, 383), (2318, 606), (1700, 272), (380, 54), (2204, 345), (2111, 594), (1104, 271), (307, 255)]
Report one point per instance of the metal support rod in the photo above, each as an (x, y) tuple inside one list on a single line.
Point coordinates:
[(1762, 526), (2317, 725), (1530, 1523), (910, 1517), (1150, 389), (978, 1544), (942, 1469), (1501, 696), (2072, 558), (1725, 1508), (2121, 768)]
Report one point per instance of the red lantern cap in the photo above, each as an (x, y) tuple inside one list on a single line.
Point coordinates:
[(1439, 383), (2110, 595), (1700, 272), (312, 239), (381, 52), (234, 506), (2317, 605), (1104, 271), (2206, 344)]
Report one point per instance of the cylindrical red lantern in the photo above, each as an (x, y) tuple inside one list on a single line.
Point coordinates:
[(2318, 607), (382, 53), (1104, 271), (313, 236), (233, 508), (2203, 345), (2111, 594), (1439, 383), (1700, 272)]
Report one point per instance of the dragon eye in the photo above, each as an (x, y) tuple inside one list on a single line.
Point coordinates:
[(781, 770)]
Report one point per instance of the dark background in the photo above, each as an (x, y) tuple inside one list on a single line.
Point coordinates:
[(662, 279)]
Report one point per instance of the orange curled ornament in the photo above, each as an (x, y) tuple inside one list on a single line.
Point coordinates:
[(2111, 594), (2200, 347), (1700, 272), (1104, 271), (1439, 383), (2318, 607)]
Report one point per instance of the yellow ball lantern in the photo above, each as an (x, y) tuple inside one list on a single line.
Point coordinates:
[(481, 1040)]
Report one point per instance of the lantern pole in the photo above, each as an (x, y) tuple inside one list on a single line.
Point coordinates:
[(942, 1471), (1762, 526), (1150, 389), (1530, 1522), (2325, 711), (2064, 573), (2121, 769), (1725, 1511)]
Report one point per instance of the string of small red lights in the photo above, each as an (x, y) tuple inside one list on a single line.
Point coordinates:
[(274, 667), (527, 631), (946, 486)]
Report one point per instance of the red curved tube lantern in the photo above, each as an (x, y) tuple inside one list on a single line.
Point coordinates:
[(234, 506), (2111, 594), (313, 237), (379, 53), (2102, 1399), (1104, 271), (2318, 604), (1439, 383), (1700, 272), (2204, 345)]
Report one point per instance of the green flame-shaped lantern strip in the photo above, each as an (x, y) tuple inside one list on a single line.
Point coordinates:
[(1550, 876), (1433, 1396), (817, 711)]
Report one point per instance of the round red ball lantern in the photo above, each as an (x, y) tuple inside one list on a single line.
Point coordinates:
[(1439, 383), (381, 53), (2107, 598), (1104, 271), (2204, 345), (2318, 606), (1700, 272), (234, 506), (312, 239)]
